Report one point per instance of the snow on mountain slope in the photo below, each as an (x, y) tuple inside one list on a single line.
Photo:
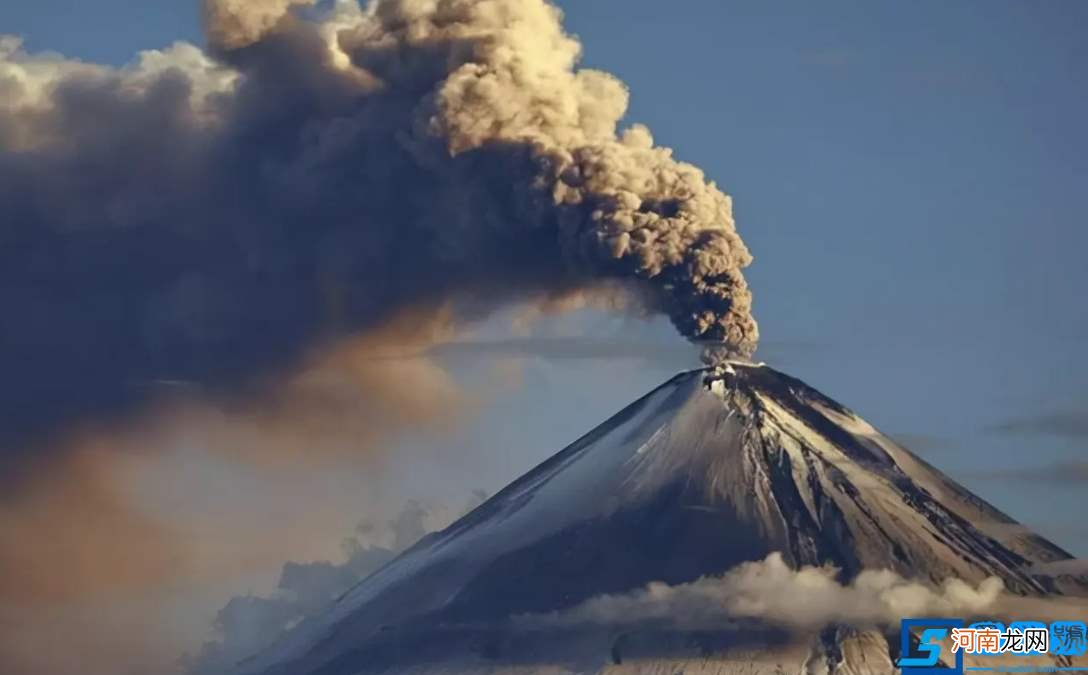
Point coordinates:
[(709, 470)]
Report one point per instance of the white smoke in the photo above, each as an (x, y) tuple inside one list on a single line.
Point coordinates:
[(771, 591)]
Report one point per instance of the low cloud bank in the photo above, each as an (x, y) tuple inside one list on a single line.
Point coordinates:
[(770, 590), (249, 623)]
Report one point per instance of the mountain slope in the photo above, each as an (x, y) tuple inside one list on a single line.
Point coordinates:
[(710, 470)]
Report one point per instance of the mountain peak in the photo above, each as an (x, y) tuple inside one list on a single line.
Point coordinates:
[(715, 468)]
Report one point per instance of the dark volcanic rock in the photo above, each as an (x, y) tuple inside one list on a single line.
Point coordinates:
[(710, 470)]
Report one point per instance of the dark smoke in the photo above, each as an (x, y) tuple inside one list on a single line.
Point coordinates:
[(209, 215)]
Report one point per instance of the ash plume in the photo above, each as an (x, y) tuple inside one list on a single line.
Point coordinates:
[(209, 214), (238, 217)]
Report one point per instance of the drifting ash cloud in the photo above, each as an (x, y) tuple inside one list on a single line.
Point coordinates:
[(771, 591), (212, 215), (564, 348), (128, 511), (246, 217), (76, 529)]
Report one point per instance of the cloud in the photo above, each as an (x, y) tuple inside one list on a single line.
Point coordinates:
[(88, 638), (78, 561), (233, 24), (770, 590), (247, 624), (77, 535), (225, 245), (115, 512), (1071, 424), (564, 348), (215, 216), (1064, 472), (74, 530)]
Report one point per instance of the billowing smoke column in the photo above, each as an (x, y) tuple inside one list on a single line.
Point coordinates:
[(208, 214)]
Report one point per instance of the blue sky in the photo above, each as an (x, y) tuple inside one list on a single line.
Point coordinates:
[(911, 178)]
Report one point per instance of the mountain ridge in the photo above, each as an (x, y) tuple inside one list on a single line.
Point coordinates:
[(714, 468)]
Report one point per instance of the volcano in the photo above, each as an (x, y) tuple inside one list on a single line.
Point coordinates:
[(713, 469)]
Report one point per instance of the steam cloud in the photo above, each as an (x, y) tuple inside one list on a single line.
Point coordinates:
[(770, 590), (247, 624), (211, 214)]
